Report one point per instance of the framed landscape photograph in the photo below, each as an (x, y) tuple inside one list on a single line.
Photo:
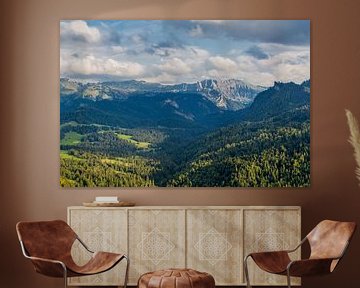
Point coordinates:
[(185, 103)]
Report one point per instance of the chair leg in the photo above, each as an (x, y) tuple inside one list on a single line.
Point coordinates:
[(65, 276), (288, 278), (127, 271), (246, 270)]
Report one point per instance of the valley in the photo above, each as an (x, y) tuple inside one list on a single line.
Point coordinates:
[(207, 134)]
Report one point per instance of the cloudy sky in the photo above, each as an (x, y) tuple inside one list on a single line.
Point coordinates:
[(257, 51)]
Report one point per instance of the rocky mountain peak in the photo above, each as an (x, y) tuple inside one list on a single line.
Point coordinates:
[(227, 94)]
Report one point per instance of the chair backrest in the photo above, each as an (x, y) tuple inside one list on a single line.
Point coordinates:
[(329, 239), (46, 239)]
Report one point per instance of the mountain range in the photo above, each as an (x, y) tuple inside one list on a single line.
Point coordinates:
[(133, 104), (228, 94)]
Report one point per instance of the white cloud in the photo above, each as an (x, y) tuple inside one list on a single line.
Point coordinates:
[(200, 49), (79, 30), (174, 66), (290, 32), (163, 78), (118, 49), (88, 50), (223, 64), (186, 63), (285, 63), (89, 65), (197, 52), (192, 53), (137, 39)]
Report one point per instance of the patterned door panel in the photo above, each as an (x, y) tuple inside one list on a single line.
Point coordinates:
[(270, 230), (157, 240), (214, 241), (101, 230)]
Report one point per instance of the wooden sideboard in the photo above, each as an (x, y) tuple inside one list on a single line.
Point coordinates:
[(212, 239)]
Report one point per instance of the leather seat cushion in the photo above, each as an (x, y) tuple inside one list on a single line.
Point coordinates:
[(176, 278)]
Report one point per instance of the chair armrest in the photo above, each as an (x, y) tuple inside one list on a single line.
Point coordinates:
[(45, 260), (309, 267), (48, 267)]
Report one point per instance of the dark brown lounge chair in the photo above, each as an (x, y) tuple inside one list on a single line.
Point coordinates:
[(48, 245), (328, 242)]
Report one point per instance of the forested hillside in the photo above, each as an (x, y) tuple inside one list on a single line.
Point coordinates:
[(183, 138)]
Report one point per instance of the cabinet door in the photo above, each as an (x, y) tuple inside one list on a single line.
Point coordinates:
[(101, 230), (270, 230), (214, 244), (156, 240)]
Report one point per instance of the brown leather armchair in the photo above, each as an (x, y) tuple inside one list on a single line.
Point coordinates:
[(328, 242), (48, 245)]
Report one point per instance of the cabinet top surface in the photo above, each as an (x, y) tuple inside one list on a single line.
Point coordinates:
[(192, 207)]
